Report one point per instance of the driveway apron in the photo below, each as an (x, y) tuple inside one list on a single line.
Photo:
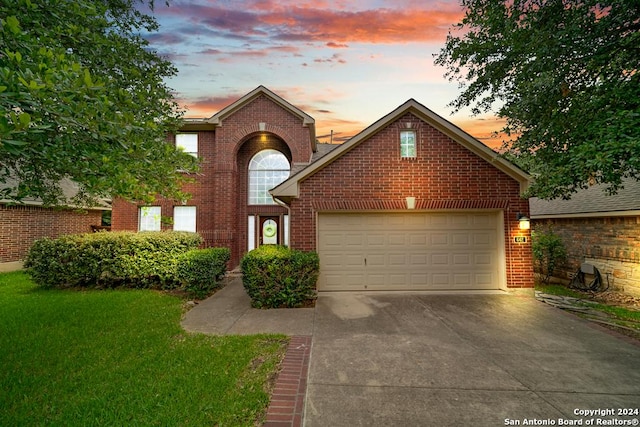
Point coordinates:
[(463, 360)]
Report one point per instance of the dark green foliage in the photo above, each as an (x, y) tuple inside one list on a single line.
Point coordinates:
[(548, 252), (565, 76), (200, 270), (82, 97), (276, 276), (147, 259)]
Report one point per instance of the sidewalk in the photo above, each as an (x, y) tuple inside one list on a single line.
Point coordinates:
[(229, 312)]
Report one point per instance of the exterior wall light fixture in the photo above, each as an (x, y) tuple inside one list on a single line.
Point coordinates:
[(411, 202), (525, 222)]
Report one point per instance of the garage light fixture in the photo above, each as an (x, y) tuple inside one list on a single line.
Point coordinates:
[(411, 202), (525, 223)]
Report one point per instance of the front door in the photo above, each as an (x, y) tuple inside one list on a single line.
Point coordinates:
[(269, 230)]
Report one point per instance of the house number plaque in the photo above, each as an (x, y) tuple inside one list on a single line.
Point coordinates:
[(520, 239)]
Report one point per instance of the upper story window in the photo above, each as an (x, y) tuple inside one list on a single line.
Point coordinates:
[(267, 169), (149, 218), (188, 142), (408, 144)]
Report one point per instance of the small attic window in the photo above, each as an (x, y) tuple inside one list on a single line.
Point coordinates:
[(408, 144)]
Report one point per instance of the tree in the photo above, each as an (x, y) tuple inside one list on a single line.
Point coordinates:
[(565, 74), (84, 99)]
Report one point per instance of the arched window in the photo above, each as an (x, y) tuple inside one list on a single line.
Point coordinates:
[(267, 169)]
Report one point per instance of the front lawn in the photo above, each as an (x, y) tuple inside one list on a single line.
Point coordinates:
[(120, 357)]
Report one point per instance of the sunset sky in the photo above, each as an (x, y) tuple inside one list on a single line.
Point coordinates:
[(345, 63)]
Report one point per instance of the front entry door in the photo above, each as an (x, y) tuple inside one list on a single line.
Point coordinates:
[(269, 230)]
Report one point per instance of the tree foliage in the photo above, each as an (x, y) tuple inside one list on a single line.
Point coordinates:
[(565, 74), (83, 98)]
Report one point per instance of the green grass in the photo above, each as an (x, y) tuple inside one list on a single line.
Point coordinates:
[(558, 290), (120, 357), (618, 312)]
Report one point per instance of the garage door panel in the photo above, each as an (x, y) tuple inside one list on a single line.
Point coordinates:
[(439, 259), (461, 260), (397, 239), (410, 251), (418, 240), (460, 239), (353, 239), (398, 259), (373, 261), (482, 259), (483, 239), (438, 239), (419, 259)]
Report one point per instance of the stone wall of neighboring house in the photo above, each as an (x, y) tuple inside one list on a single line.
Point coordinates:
[(612, 244), (444, 176), (20, 226)]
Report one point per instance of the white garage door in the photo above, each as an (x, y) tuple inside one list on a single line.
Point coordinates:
[(410, 251)]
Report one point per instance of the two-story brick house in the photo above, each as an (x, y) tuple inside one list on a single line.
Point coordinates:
[(410, 203)]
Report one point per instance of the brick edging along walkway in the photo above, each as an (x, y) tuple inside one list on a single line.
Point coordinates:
[(287, 400)]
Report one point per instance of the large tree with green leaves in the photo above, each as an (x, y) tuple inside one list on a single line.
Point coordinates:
[(83, 98), (565, 74)]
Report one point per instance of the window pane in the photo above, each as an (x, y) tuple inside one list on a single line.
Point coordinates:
[(407, 143), (188, 142), (184, 218), (149, 218), (267, 169)]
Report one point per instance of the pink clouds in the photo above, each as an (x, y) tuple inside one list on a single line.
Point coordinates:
[(334, 27)]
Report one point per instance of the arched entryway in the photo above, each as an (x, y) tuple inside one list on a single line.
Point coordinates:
[(264, 161)]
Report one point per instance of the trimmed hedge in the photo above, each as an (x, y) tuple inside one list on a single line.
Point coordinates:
[(200, 270), (146, 260), (276, 276)]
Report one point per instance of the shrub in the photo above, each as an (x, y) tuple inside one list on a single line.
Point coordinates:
[(276, 276), (200, 270), (548, 252), (147, 259)]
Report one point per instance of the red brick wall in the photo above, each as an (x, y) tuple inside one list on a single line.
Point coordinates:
[(220, 193), (20, 226), (444, 175)]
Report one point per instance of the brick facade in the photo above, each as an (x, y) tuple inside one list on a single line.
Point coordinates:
[(220, 192), (371, 177), (444, 176), (20, 226), (612, 244)]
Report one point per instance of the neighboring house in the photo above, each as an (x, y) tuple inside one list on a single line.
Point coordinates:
[(410, 203), (22, 224), (599, 229)]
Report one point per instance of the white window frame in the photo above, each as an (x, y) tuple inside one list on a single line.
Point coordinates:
[(251, 233), (261, 179), (184, 218), (408, 144), (149, 218), (188, 142)]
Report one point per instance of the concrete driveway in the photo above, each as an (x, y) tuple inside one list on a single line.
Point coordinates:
[(464, 360), (439, 360)]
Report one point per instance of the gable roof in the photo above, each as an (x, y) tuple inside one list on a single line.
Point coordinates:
[(218, 118), (290, 188), (591, 202)]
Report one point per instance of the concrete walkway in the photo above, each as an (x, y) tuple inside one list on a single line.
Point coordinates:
[(444, 360), (229, 312)]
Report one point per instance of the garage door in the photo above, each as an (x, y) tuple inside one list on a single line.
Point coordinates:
[(410, 251)]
